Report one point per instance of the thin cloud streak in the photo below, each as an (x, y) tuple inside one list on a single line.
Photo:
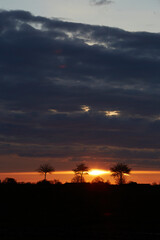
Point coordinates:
[(100, 2)]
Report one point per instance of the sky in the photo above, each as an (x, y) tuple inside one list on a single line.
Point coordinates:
[(79, 82), (137, 15)]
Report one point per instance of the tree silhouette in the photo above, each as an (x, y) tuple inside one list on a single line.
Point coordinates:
[(77, 179), (56, 181), (79, 171), (9, 181), (118, 172), (98, 179), (45, 168)]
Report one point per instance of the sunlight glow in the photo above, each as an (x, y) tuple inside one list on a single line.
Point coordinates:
[(52, 110), (85, 108), (112, 113), (96, 172)]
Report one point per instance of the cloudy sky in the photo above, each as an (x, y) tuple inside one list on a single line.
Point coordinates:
[(79, 82)]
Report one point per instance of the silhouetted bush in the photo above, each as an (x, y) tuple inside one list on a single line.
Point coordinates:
[(55, 181), (9, 181), (44, 182), (108, 182), (98, 180), (77, 179), (132, 183)]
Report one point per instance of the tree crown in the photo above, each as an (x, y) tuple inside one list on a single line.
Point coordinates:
[(81, 168), (45, 168), (120, 168), (118, 172)]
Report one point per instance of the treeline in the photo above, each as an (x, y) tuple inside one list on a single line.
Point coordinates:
[(83, 210), (118, 171), (96, 180)]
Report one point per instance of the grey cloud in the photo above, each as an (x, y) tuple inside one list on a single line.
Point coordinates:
[(100, 2)]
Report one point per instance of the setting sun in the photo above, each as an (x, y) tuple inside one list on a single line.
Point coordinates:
[(98, 172)]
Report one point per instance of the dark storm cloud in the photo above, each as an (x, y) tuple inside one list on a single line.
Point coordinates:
[(49, 69)]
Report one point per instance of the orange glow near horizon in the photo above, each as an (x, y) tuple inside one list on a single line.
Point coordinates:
[(139, 176), (145, 172), (91, 172), (96, 172)]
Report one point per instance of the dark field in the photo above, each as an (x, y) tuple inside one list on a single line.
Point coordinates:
[(79, 211)]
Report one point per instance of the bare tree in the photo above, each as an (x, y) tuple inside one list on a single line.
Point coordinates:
[(118, 172), (45, 168), (80, 170), (77, 179)]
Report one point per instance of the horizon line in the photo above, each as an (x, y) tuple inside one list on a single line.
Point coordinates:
[(71, 172)]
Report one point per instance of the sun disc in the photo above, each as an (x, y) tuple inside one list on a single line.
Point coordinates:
[(97, 172)]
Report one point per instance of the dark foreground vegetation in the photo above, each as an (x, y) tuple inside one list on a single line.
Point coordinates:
[(79, 211)]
